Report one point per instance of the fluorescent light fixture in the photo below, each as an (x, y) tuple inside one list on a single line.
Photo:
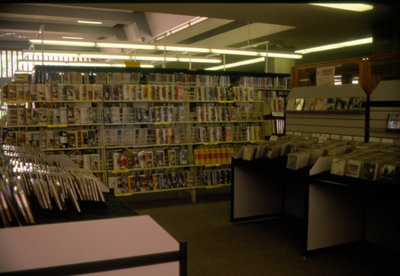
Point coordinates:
[(101, 55), (90, 22), (336, 45), (49, 54), (105, 56), (183, 49), (343, 6), (125, 45), (235, 52), (199, 60), (82, 64), (72, 37), (146, 65), (282, 55), (236, 64), (154, 58), (63, 42)]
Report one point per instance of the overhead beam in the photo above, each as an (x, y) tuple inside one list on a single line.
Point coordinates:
[(123, 17), (116, 31)]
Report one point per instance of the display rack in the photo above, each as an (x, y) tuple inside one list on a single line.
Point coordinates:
[(144, 125)]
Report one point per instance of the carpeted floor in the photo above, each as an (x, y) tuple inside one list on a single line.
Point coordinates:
[(269, 247)]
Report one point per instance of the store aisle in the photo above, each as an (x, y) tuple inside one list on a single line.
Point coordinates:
[(269, 247)]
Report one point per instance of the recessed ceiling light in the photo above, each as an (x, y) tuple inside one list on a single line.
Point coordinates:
[(90, 22), (350, 7)]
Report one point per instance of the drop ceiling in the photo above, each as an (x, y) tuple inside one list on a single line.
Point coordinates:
[(283, 27)]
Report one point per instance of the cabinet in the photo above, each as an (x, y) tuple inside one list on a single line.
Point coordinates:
[(142, 130)]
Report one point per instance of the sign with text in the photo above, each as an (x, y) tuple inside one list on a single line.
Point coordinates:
[(325, 75)]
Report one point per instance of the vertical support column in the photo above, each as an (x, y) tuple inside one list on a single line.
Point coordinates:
[(193, 195), (41, 32), (266, 59)]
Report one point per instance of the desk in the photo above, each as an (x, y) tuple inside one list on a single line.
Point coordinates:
[(113, 246), (343, 209)]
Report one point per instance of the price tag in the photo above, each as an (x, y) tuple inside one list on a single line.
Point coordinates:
[(50, 126), (315, 135), (335, 137), (297, 133), (120, 171), (387, 141), (273, 138), (375, 139), (213, 165), (347, 138), (289, 132)]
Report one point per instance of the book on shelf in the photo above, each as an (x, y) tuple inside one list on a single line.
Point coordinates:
[(184, 157), (298, 160), (393, 121), (330, 104), (171, 157), (355, 104), (299, 104), (319, 104), (369, 170), (291, 104), (338, 166), (159, 158), (248, 153), (342, 104), (353, 168)]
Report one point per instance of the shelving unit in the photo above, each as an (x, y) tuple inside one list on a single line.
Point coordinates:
[(147, 126)]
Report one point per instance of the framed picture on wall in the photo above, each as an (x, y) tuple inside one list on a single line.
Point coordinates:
[(393, 122)]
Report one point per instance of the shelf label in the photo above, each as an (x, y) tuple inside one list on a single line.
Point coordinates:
[(335, 137), (162, 123), (375, 139), (120, 171), (289, 132), (124, 194), (315, 135), (297, 133), (273, 138), (210, 143), (387, 141), (213, 187), (347, 138), (50, 126), (278, 114), (359, 139), (132, 63), (226, 102), (212, 165)]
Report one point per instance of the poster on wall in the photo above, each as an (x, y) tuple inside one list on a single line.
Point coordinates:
[(325, 75)]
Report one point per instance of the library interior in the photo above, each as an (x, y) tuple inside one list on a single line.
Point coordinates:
[(200, 138)]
